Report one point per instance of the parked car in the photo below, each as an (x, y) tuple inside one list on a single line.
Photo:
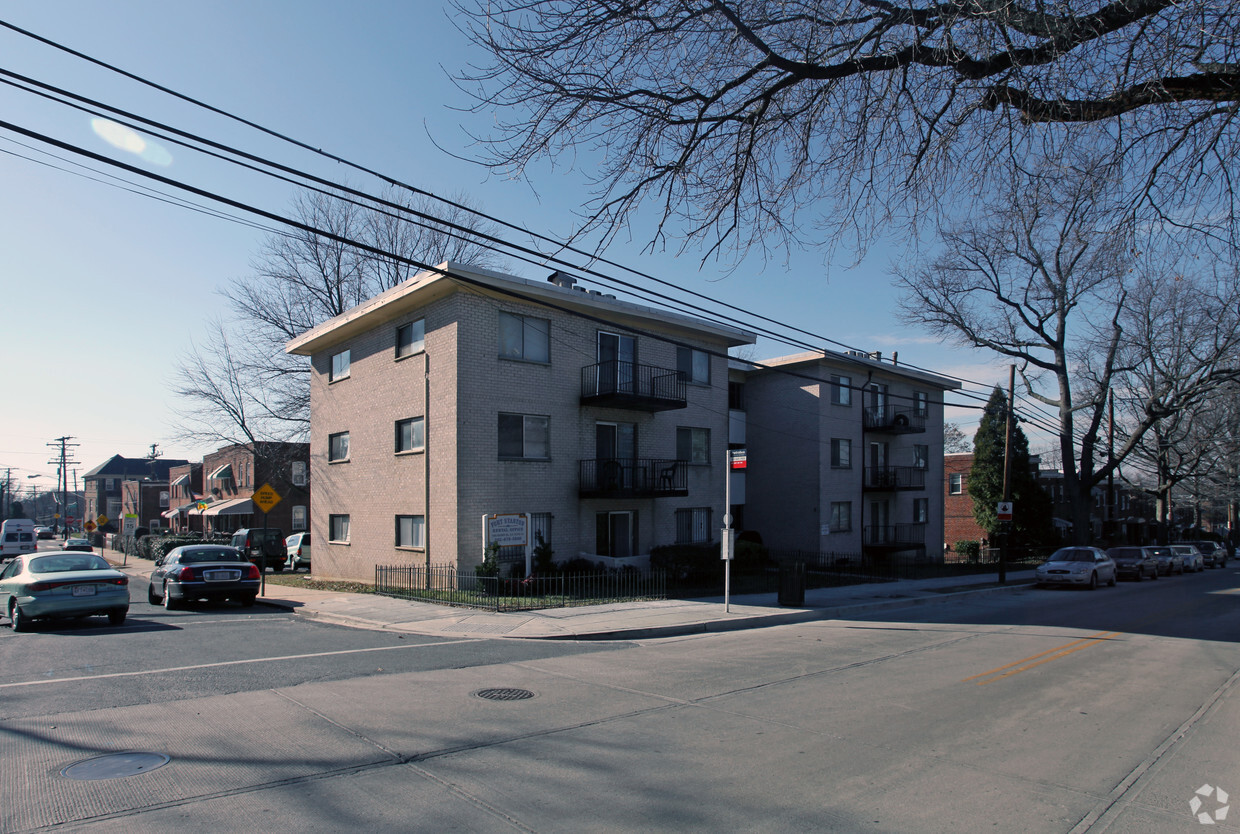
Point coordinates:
[(1213, 554), (1086, 566), (36, 586), (264, 546), (17, 537), (43, 532), (203, 571), (297, 546), (1169, 561), (79, 545), (1136, 562), (1193, 561)]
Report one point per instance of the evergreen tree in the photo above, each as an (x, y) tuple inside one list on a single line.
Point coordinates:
[(1031, 506)]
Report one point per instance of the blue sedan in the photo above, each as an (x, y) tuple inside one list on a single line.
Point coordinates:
[(62, 584)]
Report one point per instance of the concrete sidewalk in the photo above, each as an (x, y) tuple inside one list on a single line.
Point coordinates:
[(615, 621)]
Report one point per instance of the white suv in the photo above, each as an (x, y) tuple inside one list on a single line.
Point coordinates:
[(297, 548)]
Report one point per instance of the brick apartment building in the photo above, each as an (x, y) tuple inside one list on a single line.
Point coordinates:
[(102, 485), (453, 397), (959, 523)]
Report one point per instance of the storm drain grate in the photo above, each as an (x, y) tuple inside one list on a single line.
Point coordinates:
[(506, 694), (115, 766)]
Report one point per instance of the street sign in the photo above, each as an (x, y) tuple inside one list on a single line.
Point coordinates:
[(737, 458), (90, 526), (266, 498), (508, 529), (1003, 511), (101, 520)]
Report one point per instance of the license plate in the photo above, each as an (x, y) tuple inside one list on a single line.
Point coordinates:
[(83, 590), (220, 575)]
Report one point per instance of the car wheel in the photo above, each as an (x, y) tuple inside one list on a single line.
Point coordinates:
[(1111, 582), (278, 567), (117, 617), (1093, 581), (169, 603), (150, 594), (19, 620)]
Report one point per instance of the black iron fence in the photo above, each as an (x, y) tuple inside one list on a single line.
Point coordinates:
[(446, 585)]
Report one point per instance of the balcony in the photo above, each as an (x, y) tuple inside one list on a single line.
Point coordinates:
[(636, 387), (891, 420), (633, 478), (893, 478), (895, 536)]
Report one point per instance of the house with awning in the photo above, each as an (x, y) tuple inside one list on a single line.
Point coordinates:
[(184, 493), (229, 477)]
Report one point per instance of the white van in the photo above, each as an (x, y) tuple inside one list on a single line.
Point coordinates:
[(16, 538)]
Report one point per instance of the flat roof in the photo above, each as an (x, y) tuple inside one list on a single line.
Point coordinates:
[(862, 361)]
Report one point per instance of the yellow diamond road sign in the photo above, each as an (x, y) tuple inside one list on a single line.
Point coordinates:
[(266, 498), (101, 520)]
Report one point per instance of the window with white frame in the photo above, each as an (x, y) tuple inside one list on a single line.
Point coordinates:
[(410, 531), (921, 510), (921, 456), (955, 483), (338, 446), (841, 516), (693, 525), (841, 390), (409, 435), (524, 337), (524, 436), (298, 473), (921, 403), (299, 518), (693, 365), (338, 528), (693, 445), (340, 366), (841, 453), (410, 338)]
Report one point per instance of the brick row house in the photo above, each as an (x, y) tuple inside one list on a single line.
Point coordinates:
[(455, 397), (107, 494), (227, 479), (465, 394)]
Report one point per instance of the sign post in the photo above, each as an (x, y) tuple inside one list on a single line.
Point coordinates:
[(733, 459), (265, 498), (509, 530)]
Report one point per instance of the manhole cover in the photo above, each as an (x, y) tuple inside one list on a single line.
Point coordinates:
[(115, 766), (504, 694)]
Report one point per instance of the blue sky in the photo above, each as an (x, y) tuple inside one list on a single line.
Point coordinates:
[(103, 289)]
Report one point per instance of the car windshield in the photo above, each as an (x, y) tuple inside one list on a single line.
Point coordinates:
[(219, 555), (1072, 556), (64, 563)]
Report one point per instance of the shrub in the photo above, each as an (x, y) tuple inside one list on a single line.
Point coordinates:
[(490, 563), (970, 550), (544, 557), (686, 561)]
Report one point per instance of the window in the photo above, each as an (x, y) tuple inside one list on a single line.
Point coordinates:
[(921, 456), (409, 435), (693, 525), (841, 516), (340, 366), (524, 436), (616, 534), (299, 517), (921, 403), (921, 510), (841, 390), (338, 528), (410, 338), (693, 445), (298, 474), (163, 499), (955, 483), (410, 531), (693, 365), (736, 396), (841, 453), (338, 446), (522, 337)]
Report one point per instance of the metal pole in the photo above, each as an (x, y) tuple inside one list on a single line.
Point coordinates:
[(1007, 473), (726, 544)]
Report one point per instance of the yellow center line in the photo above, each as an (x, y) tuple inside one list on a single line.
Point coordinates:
[(1038, 659)]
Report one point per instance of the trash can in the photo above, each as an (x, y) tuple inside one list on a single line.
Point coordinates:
[(792, 584)]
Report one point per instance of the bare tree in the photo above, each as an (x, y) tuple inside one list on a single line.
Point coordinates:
[(954, 440), (240, 385), (738, 117), (1050, 284)]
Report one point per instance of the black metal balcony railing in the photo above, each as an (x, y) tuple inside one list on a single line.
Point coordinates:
[(629, 385), (892, 420), (633, 478), (891, 478), (896, 535)]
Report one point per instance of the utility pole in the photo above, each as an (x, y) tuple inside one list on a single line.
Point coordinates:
[(62, 476), (1007, 473)]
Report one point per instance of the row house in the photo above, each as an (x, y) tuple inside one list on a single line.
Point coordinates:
[(105, 495), (465, 394), (218, 493), (844, 455)]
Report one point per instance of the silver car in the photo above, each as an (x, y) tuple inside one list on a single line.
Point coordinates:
[(1169, 561), (59, 584), (1194, 562), (1086, 566)]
